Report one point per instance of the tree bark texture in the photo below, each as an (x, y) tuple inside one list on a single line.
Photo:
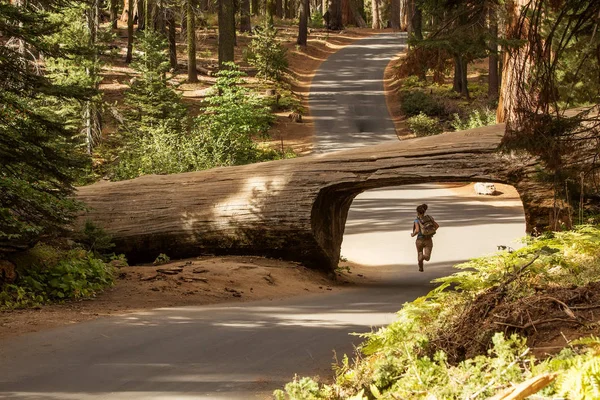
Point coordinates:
[(410, 11), (493, 77), (303, 25), (114, 12), (296, 208), (279, 8), (226, 32), (255, 7), (417, 22), (172, 36), (404, 15), (191, 41), (129, 55), (245, 21), (395, 14), (356, 16), (335, 15), (376, 23)]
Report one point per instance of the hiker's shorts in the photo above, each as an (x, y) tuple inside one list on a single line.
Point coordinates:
[(424, 248)]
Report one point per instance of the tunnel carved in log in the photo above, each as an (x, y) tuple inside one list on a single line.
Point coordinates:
[(294, 209)]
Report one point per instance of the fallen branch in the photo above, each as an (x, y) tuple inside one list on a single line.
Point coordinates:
[(517, 274), (538, 322)]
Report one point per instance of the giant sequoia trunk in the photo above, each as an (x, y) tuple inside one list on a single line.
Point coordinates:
[(395, 14), (191, 41), (335, 15), (294, 209)]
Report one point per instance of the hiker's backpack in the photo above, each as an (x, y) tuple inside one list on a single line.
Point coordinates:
[(427, 226)]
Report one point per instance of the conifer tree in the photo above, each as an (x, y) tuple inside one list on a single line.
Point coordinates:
[(40, 158)]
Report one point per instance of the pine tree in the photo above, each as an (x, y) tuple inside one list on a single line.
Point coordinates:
[(40, 156)]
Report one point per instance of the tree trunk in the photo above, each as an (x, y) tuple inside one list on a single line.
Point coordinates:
[(464, 87), (270, 10), (346, 13), (172, 35), (395, 14), (255, 7), (493, 81), (191, 41), (357, 17), (129, 31), (376, 23), (279, 8), (245, 20), (457, 80), (226, 32), (295, 209), (515, 63), (410, 12), (114, 12), (323, 7), (404, 15), (417, 22), (335, 15), (303, 26), (141, 15)]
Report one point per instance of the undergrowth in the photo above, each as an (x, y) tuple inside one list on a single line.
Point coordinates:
[(416, 358), (48, 274)]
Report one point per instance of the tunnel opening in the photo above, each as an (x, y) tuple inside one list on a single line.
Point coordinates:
[(379, 224)]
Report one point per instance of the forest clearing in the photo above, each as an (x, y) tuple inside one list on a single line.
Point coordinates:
[(207, 198)]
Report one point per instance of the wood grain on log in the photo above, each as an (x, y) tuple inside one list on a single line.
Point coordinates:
[(294, 209)]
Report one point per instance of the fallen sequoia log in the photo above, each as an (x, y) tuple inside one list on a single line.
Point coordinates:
[(294, 209)]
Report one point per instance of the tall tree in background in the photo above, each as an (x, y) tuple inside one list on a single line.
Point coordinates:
[(172, 37), (395, 14), (114, 12), (40, 156), (376, 22), (493, 77), (279, 8), (129, 55), (245, 20), (335, 15), (303, 25), (226, 32), (191, 41), (255, 7)]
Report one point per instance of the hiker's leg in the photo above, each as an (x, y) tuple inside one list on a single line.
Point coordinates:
[(420, 255), (427, 248)]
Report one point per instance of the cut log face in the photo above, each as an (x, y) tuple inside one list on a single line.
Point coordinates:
[(294, 209)]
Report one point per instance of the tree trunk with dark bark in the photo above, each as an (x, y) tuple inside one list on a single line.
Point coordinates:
[(191, 41), (335, 15), (245, 20), (303, 25), (226, 32), (295, 209), (395, 14), (114, 13), (129, 55), (255, 7), (417, 22), (172, 35), (493, 77), (279, 8)]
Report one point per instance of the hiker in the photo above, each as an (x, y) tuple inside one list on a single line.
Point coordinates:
[(424, 228)]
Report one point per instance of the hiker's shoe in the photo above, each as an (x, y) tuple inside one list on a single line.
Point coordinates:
[(420, 269)]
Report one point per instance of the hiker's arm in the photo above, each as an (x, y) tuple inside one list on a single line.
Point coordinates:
[(415, 230)]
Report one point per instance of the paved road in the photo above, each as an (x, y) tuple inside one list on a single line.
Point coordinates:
[(242, 351)]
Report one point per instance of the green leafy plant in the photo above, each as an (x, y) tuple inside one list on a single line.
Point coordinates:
[(161, 259), (416, 102), (48, 274), (476, 119), (422, 125), (316, 20), (266, 54)]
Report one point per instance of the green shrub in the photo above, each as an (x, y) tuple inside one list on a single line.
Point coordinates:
[(412, 81), (422, 125), (417, 102), (47, 274), (476, 119), (266, 54), (161, 259), (316, 20), (95, 239)]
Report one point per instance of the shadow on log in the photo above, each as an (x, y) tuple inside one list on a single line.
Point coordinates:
[(294, 209)]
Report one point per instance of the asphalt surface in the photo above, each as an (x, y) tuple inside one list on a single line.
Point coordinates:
[(242, 351)]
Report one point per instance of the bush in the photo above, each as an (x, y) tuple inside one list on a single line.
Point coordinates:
[(417, 102), (316, 20), (47, 274), (476, 119), (422, 125), (266, 54)]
